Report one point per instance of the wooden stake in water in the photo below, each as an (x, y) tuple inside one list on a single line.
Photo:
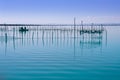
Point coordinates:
[(5, 37), (82, 25), (74, 26)]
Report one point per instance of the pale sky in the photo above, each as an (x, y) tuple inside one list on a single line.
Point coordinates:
[(59, 11)]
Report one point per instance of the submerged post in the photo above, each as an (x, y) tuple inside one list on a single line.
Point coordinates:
[(5, 37)]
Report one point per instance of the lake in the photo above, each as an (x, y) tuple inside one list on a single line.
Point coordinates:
[(58, 55)]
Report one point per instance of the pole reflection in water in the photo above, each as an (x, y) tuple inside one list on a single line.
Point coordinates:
[(55, 39)]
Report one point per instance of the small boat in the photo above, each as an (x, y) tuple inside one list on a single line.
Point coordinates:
[(23, 29)]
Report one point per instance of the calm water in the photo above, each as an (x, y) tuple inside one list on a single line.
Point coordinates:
[(57, 55)]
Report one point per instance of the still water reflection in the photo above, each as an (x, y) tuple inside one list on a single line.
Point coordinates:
[(59, 55)]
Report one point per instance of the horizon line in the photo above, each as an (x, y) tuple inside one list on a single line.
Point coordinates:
[(81, 24)]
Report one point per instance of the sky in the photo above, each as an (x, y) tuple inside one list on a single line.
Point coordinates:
[(59, 11)]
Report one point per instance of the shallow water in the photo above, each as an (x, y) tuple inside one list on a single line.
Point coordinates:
[(58, 55)]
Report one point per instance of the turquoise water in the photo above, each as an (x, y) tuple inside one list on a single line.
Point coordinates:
[(58, 55)]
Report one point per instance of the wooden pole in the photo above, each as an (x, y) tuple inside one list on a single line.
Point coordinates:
[(74, 26)]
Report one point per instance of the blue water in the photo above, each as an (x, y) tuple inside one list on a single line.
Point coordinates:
[(52, 55)]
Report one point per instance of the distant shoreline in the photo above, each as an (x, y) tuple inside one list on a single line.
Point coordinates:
[(93, 24)]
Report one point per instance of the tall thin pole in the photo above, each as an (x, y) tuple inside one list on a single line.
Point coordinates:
[(74, 26), (74, 34), (82, 25)]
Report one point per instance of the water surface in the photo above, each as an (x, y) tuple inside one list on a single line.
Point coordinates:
[(58, 55)]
